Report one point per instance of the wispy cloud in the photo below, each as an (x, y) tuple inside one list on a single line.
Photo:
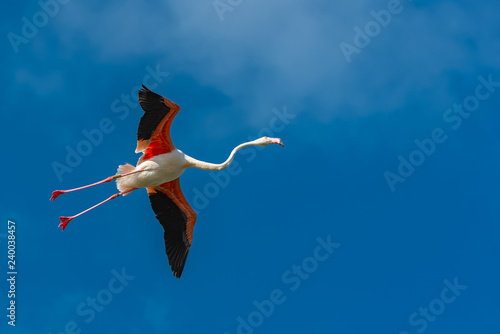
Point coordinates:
[(301, 59)]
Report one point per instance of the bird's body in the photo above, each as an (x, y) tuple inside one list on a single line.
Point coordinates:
[(158, 170), (154, 171)]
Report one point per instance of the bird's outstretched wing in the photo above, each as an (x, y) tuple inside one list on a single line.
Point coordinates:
[(177, 218), (153, 135)]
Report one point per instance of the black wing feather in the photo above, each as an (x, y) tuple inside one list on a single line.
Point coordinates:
[(155, 110), (174, 221)]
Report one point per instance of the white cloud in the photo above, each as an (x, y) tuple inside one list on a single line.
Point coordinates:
[(266, 52)]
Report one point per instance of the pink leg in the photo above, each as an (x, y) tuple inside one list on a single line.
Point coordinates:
[(56, 193), (65, 220)]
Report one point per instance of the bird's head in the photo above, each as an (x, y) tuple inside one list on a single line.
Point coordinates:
[(264, 141)]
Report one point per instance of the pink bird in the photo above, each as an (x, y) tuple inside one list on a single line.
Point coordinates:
[(158, 170)]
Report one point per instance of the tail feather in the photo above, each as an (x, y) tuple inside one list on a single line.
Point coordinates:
[(121, 183)]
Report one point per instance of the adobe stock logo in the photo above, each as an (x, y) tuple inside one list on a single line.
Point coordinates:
[(30, 28), (121, 107), (436, 307), (87, 310), (372, 29), (293, 278), (222, 6), (221, 179), (454, 117)]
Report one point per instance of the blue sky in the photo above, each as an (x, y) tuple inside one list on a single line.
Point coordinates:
[(380, 215)]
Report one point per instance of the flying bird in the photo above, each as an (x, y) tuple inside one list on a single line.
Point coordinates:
[(158, 170)]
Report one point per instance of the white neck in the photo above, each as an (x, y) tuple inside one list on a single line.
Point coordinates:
[(192, 162)]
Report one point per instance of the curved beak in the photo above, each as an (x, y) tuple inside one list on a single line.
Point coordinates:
[(277, 141)]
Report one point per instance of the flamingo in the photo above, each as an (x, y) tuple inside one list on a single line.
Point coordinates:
[(158, 170)]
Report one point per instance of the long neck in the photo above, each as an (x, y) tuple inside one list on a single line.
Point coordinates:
[(192, 162)]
